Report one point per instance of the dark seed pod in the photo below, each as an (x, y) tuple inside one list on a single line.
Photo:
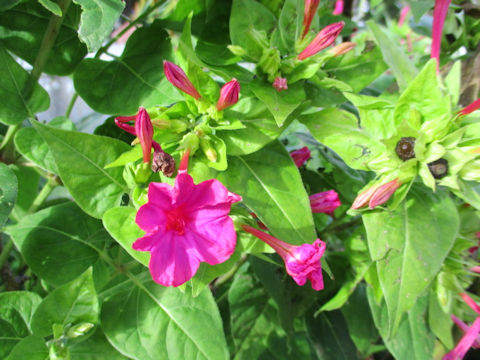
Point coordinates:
[(163, 162), (405, 148), (438, 168)]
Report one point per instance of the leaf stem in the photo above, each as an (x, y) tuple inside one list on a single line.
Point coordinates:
[(71, 104), (5, 252), (7, 147), (42, 195)]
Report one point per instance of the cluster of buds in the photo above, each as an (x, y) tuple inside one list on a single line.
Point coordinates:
[(376, 195), (325, 202), (324, 39), (300, 156)]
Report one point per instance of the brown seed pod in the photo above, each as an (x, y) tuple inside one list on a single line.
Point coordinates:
[(405, 148), (438, 168)]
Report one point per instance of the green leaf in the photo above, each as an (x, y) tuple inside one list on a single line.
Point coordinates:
[(72, 303), (133, 79), (402, 67), (81, 167), (419, 8), (30, 144), (19, 97), (277, 197), (409, 246), (251, 314), (149, 321), (7, 4), (281, 104), (290, 23), (28, 180), (59, 237), (8, 192), (32, 348), (97, 20), (250, 23), (22, 33), (96, 347), (16, 311), (329, 334), (339, 130), (120, 223), (413, 340), (51, 6), (439, 321)]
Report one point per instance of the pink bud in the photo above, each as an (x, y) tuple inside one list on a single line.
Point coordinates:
[(121, 122), (325, 202), (308, 14), (179, 79), (470, 108), (280, 84), (403, 15), (144, 131), (342, 48), (383, 193), (324, 38), (363, 198), (439, 13), (300, 156), (228, 94), (338, 8)]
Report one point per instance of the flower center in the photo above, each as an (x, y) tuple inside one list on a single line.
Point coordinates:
[(439, 168), (175, 222), (405, 148)]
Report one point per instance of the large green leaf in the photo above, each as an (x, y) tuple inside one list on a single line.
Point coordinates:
[(7, 4), (32, 348), (339, 130), (149, 321), (19, 98), (409, 246), (270, 185), (28, 179), (290, 23), (59, 237), (16, 311), (81, 167), (97, 20), (8, 192), (22, 30), (133, 79), (96, 347), (402, 67), (413, 340), (73, 303), (120, 223)]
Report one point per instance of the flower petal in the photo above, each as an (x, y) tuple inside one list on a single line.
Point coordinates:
[(465, 343), (150, 217)]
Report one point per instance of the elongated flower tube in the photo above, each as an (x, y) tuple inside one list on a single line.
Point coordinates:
[(301, 262), (309, 12), (144, 131), (185, 224), (179, 79), (338, 8), (470, 108), (325, 202), (439, 13), (300, 156), (324, 38), (342, 48), (228, 94), (280, 84), (403, 15)]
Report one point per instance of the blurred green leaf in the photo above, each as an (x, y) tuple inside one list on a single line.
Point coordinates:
[(8, 192)]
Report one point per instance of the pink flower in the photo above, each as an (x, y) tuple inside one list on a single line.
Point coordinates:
[(324, 38), (228, 94), (144, 131), (179, 79), (439, 13), (280, 84), (185, 224), (403, 15), (470, 108), (325, 202), (338, 8), (376, 195), (471, 333), (300, 156), (309, 12), (301, 262)]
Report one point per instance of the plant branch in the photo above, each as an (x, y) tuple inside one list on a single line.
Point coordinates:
[(71, 104), (42, 195), (5, 252)]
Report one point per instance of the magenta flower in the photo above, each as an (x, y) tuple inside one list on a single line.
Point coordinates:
[(324, 38), (439, 13), (280, 84), (228, 94), (309, 12), (300, 156), (301, 262), (403, 15), (325, 202), (186, 224), (470, 108), (338, 8), (179, 79), (471, 333), (376, 195)]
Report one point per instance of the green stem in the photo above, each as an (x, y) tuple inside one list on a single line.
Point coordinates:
[(42, 196), (7, 147), (5, 252), (71, 104), (228, 275)]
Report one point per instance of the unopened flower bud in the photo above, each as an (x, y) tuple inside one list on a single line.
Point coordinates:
[(438, 168), (79, 330), (325, 202), (309, 12), (363, 198), (270, 62), (324, 38), (208, 149), (383, 193), (300, 156), (405, 148), (280, 84), (338, 8), (228, 94), (237, 50), (342, 48), (179, 79), (470, 108), (144, 131)]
